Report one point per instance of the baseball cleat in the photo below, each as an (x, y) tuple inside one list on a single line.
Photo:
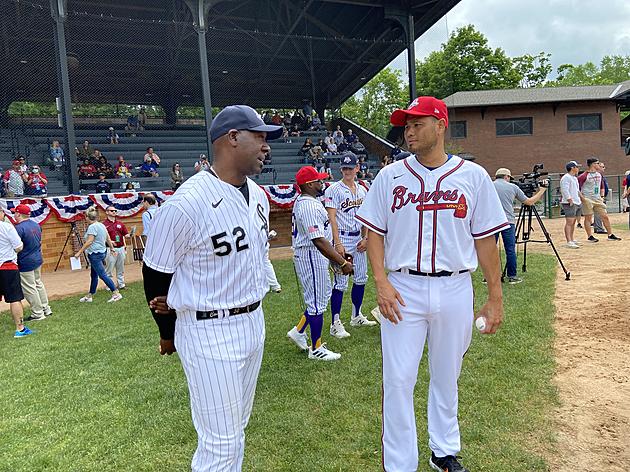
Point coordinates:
[(446, 464), (298, 338), (276, 289), (337, 330), (361, 320), (376, 314), (323, 354)]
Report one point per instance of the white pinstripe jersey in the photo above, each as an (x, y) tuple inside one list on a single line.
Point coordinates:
[(309, 221), (213, 243), (340, 197), (430, 218)]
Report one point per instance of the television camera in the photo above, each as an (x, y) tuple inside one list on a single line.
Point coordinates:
[(530, 182)]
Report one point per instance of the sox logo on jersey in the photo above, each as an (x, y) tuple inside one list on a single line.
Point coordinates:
[(214, 243)]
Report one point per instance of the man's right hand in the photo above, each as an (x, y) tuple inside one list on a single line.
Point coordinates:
[(158, 304), (388, 299), (348, 268), (167, 346), (340, 249)]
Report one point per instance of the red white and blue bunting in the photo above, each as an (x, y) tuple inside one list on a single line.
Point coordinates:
[(39, 209), (69, 208), (127, 204)]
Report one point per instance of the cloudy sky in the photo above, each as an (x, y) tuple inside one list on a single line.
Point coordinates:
[(573, 31)]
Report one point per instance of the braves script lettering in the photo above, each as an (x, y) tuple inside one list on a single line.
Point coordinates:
[(402, 197)]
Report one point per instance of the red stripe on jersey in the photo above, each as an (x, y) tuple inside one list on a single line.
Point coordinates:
[(420, 216), (373, 226), (435, 214), (476, 235)]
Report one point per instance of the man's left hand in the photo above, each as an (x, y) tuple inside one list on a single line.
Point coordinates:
[(492, 311), (362, 246)]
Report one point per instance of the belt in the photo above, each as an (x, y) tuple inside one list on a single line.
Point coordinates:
[(442, 273), (118, 247), (207, 315), (350, 233)]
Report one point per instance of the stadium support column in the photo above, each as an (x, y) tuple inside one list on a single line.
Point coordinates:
[(411, 56), (199, 9), (59, 14)]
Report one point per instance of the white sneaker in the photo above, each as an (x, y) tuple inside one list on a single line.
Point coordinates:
[(575, 241), (115, 298), (86, 299), (337, 330), (323, 354), (572, 245), (361, 320), (298, 338)]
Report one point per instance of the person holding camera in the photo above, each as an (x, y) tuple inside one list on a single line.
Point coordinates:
[(508, 192), (571, 202)]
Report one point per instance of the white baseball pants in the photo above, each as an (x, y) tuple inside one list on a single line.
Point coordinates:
[(359, 262), (221, 359), (312, 270), (116, 260), (439, 310)]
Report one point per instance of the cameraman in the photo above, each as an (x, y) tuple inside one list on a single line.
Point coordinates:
[(507, 193)]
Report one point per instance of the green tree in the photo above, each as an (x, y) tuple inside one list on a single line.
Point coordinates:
[(611, 70), (466, 62), (533, 70), (372, 106)]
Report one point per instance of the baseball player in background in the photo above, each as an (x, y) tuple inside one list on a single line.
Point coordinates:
[(205, 253), (311, 241), (342, 201), (431, 218)]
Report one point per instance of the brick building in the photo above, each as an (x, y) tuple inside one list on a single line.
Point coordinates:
[(518, 128)]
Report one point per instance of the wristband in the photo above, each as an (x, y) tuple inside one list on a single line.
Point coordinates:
[(345, 263)]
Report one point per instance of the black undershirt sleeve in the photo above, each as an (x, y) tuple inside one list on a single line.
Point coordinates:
[(156, 284)]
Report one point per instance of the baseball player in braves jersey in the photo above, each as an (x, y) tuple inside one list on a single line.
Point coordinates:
[(311, 240), (206, 252), (431, 218), (343, 199)]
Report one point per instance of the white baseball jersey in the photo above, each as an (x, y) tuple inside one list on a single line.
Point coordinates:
[(441, 212), (341, 198), (213, 243), (310, 221)]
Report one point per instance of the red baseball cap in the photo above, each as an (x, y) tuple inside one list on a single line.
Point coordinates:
[(22, 209), (421, 106), (308, 174)]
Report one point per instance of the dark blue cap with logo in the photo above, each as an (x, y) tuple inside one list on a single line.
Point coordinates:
[(348, 159), (241, 117)]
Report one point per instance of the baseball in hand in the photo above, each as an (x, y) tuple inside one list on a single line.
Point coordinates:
[(480, 323)]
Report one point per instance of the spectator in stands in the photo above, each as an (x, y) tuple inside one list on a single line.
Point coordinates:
[(23, 164), (132, 125), (286, 121), (95, 159), (148, 169), (14, 180), (285, 135), (276, 119), (394, 152), (86, 170), (142, 118), (130, 187), (123, 169), (153, 156), (295, 132), (85, 151), (358, 148), (37, 181), (338, 136), (364, 169), (332, 149), (306, 147), (102, 186), (30, 262), (56, 155), (112, 136), (105, 167), (315, 153), (322, 145), (385, 161), (297, 119), (350, 137), (177, 177), (316, 123), (329, 139), (267, 117), (307, 107), (202, 163)]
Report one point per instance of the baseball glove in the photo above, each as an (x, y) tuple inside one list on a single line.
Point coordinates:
[(336, 268)]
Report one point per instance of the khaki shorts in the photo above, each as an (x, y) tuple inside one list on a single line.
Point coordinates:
[(590, 206)]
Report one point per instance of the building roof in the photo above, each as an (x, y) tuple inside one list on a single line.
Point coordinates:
[(521, 96)]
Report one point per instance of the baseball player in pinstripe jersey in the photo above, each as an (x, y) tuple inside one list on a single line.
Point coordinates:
[(431, 219), (343, 199), (311, 241), (205, 253)]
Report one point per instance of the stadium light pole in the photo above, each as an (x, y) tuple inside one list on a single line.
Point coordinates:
[(59, 14)]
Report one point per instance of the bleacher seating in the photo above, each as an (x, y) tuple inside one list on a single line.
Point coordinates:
[(182, 144)]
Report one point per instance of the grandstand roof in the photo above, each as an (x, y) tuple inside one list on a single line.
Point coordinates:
[(259, 51)]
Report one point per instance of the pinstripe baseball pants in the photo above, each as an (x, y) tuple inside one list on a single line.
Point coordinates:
[(359, 262), (221, 359), (312, 270)]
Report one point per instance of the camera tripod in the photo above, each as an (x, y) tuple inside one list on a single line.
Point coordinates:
[(74, 231), (522, 235)]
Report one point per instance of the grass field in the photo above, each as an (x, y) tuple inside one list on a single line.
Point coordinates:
[(89, 392)]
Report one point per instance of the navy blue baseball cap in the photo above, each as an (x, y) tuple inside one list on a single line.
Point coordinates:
[(348, 159), (241, 117)]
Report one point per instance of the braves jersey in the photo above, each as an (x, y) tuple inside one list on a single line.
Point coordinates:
[(430, 218), (346, 203), (310, 221), (213, 242)]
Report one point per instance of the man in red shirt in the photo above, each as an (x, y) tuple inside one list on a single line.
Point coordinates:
[(116, 258)]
